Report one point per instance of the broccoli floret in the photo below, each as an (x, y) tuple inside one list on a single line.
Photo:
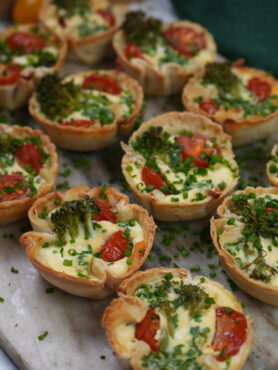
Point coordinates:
[(57, 100), (73, 6), (142, 30), (73, 216), (221, 75)]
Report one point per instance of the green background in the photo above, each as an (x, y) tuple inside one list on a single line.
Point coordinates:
[(242, 28)]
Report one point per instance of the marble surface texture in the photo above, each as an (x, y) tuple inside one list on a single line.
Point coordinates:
[(75, 338)]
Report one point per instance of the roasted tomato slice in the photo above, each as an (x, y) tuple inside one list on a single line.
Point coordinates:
[(29, 155), (79, 123), (185, 40), (133, 51), (102, 83), (230, 332), (195, 146), (9, 74), (208, 106), (106, 213), (25, 41), (153, 178), (260, 88), (115, 247), (147, 328), (13, 187), (107, 16)]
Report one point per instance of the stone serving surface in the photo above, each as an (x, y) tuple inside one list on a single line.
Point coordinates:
[(75, 338)]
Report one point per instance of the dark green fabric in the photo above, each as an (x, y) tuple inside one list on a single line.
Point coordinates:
[(241, 28)]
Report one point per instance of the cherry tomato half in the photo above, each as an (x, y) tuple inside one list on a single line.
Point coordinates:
[(13, 187), (25, 41), (107, 16), (147, 328), (208, 106), (260, 88), (271, 210), (153, 178), (195, 146), (102, 83), (9, 74), (185, 40), (230, 332), (115, 247), (133, 51), (106, 213), (79, 123), (29, 155)]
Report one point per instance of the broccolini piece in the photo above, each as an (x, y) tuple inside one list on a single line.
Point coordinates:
[(57, 100), (221, 75), (74, 216), (142, 30)]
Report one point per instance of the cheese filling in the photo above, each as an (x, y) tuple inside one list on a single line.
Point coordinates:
[(184, 181), (250, 235), (82, 256)]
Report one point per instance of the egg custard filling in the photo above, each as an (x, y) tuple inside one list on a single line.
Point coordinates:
[(79, 19), (85, 101), (24, 51), (147, 40), (240, 91), (187, 167), (250, 235), (86, 236), (21, 161), (187, 322)]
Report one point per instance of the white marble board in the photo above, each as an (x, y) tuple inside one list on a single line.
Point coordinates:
[(75, 338)]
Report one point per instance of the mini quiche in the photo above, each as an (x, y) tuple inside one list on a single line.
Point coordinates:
[(88, 110), (27, 52), (180, 166), (28, 168), (243, 100), (272, 166), (166, 319), (86, 241), (246, 238), (87, 25), (162, 56)]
